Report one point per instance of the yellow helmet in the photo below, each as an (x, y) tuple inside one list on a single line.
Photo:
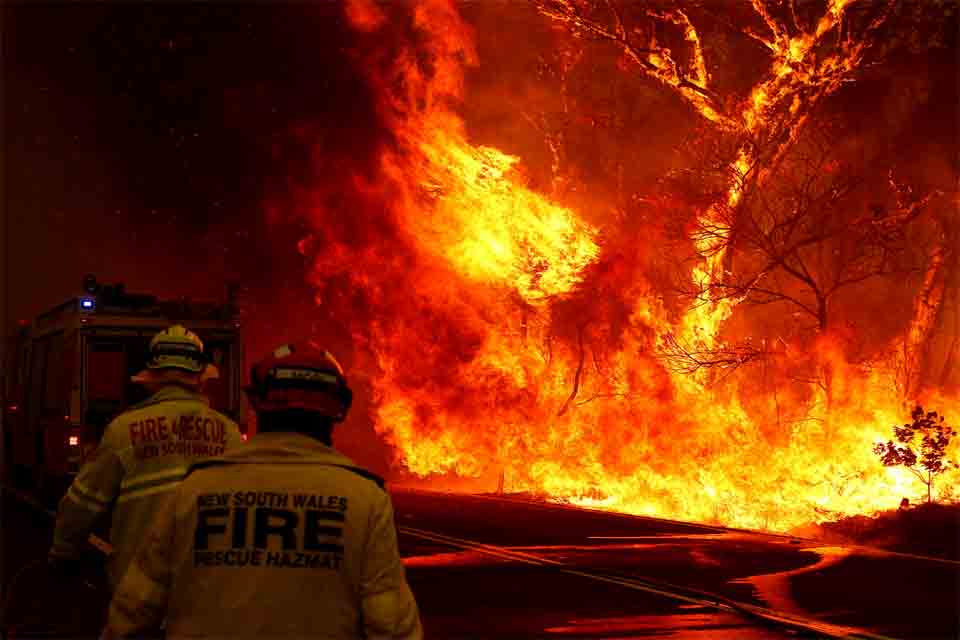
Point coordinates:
[(177, 347)]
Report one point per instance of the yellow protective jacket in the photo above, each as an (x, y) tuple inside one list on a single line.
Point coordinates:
[(144, 454), (283, 538)]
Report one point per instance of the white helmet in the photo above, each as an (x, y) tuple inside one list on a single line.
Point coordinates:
[(177, 348)]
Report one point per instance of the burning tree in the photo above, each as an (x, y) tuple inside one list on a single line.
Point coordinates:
[(509, 320), (940, 280), (806, 236), (923, 441), (817, 230), (808, 51), (810, 57)]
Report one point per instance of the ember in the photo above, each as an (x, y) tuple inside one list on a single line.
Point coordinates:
[(513, 333)]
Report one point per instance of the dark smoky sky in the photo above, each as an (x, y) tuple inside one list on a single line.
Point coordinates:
[(144, 142), (141, 142)]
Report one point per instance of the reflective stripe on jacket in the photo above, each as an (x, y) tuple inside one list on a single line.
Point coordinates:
[(144, 454), (283, 538)]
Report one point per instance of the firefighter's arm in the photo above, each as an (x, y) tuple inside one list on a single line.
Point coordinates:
[(90, 495), (140, 602), (389, 610)]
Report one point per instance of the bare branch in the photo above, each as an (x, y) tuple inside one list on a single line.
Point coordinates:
[(685, 359), (775, 28), (654, 61), (722, 290), (621, 30), (840, 284), (795, 17), (576, 376), (600, 396)]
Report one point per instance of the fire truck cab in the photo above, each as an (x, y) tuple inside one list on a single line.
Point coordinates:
[(69, 374)]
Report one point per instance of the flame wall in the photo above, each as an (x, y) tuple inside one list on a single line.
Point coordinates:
[(506, 332)]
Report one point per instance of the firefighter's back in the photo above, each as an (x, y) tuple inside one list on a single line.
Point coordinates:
[(276, 540), (156, 442)]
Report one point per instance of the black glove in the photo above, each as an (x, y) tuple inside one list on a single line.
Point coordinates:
[(64, 566)]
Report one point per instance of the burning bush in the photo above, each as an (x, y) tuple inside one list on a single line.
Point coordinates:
[(927, 529), (923, 441)]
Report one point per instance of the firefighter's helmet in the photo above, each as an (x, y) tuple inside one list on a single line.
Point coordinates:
[(300, 376), (177, 348)]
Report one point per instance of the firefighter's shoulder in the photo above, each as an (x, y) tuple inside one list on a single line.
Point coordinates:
[(227, 460), (337, 460), (360, 471)]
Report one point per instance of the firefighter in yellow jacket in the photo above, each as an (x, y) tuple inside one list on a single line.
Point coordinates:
[(144, 454), (283, 538)]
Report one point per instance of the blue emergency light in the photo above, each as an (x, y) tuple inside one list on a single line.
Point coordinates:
[(88, 304)]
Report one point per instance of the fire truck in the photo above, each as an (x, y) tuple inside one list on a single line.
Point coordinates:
[(69, 374)]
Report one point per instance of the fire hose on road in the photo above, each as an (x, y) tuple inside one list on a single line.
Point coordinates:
[(96, 542), (45, 629), (674, 592)]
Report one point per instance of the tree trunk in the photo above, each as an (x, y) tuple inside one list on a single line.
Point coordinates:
[(827, 370), (523, 326), (579, 372), (926, 308), (949, 362), (952, 289), (823, 316)]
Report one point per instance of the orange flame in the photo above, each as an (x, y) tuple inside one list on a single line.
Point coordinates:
[(508, 339), (492, 230)]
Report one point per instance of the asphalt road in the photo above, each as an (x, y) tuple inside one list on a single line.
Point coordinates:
[(473, 555), (490, 568)]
